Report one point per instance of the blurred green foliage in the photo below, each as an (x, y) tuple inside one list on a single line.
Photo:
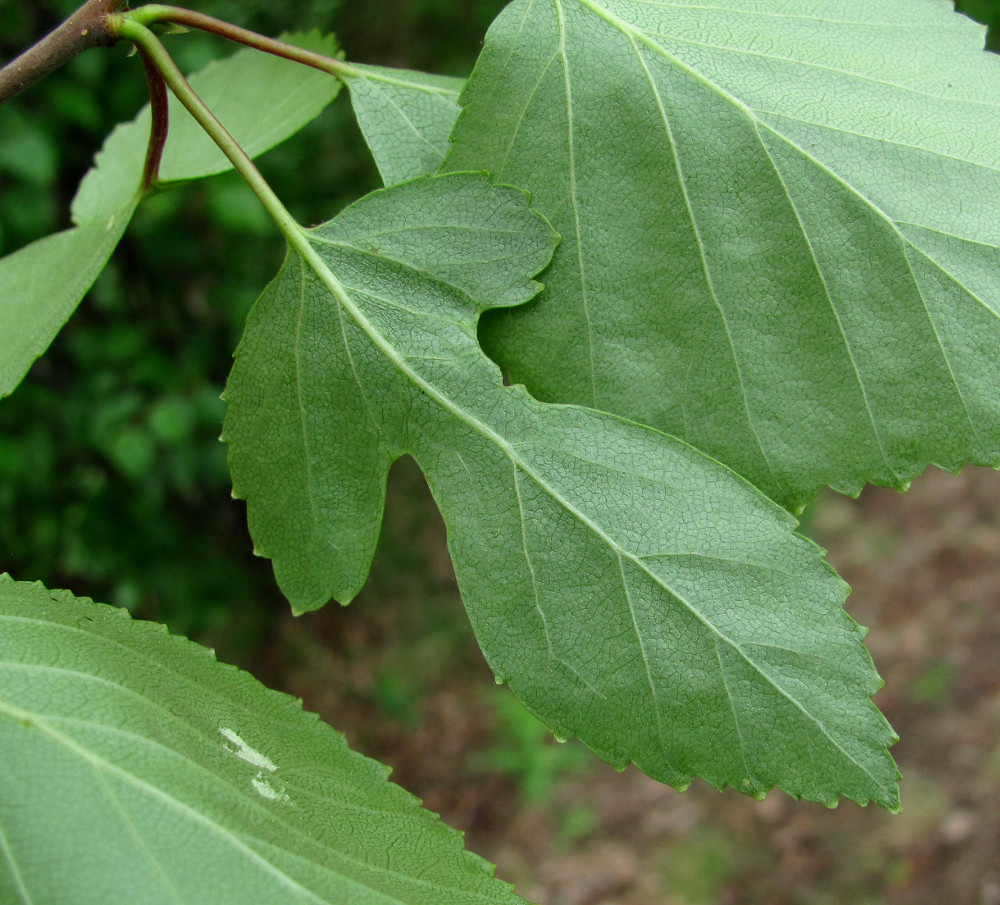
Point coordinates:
[(112, 479), (699, 866), (523, 749), (934, 685), (987, 12)]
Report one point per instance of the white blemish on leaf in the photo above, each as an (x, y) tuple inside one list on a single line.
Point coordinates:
[(244, 752), (266, 790)]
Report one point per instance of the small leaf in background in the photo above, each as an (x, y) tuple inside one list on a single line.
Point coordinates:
[(137, 768), (405, 117), (524, 750), (26, 151), (780, 229), (261, 99), (42, 285), (631, 590)]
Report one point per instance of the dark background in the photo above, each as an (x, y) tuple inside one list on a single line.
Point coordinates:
[(113, 484)]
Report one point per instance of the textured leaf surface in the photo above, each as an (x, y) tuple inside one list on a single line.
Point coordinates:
[(41, 285), (137, 768), (405, 117), (780, 226), (261, 99), (631, 590)]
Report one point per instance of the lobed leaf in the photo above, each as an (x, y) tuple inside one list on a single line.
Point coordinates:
[(137, 768), (779, 221), (405, 117), (630, 589)]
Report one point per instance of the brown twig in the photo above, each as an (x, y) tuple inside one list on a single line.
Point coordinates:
[(90, 26)]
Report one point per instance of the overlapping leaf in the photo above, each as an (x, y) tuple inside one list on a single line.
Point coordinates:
[(136, 768), (263, 99), (780, 226), (405, 117), (631, 590)]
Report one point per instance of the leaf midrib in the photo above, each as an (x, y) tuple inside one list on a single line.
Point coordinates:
[(310, 255), (762, 116), (635, 34), (86, 755), (374, 74), (124, 691), (807, 64), (706, 269), (233, 837), (780, 16)]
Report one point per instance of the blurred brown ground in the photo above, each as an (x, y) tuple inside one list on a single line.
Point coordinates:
[(399, 672)]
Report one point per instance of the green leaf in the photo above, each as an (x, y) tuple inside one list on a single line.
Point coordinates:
[(780, 230), (44, 282), (137, 768), (42, 285), (261, 99), (631, 590), (405, 117)]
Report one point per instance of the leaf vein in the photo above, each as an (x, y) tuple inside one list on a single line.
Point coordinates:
[(732, 710), (575, 202), (706, 269), (15, 873), (829, 298)]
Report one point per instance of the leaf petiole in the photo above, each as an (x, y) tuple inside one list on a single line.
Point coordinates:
[(156, 13), (160, 121), (155, 55)]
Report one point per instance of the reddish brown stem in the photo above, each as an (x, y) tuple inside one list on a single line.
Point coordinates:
[(91, 25), (189, 19), (160, 109)]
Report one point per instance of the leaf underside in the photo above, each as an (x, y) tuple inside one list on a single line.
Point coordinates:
[(780, 228), (632, 591), (405, 117), (137, 768)]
